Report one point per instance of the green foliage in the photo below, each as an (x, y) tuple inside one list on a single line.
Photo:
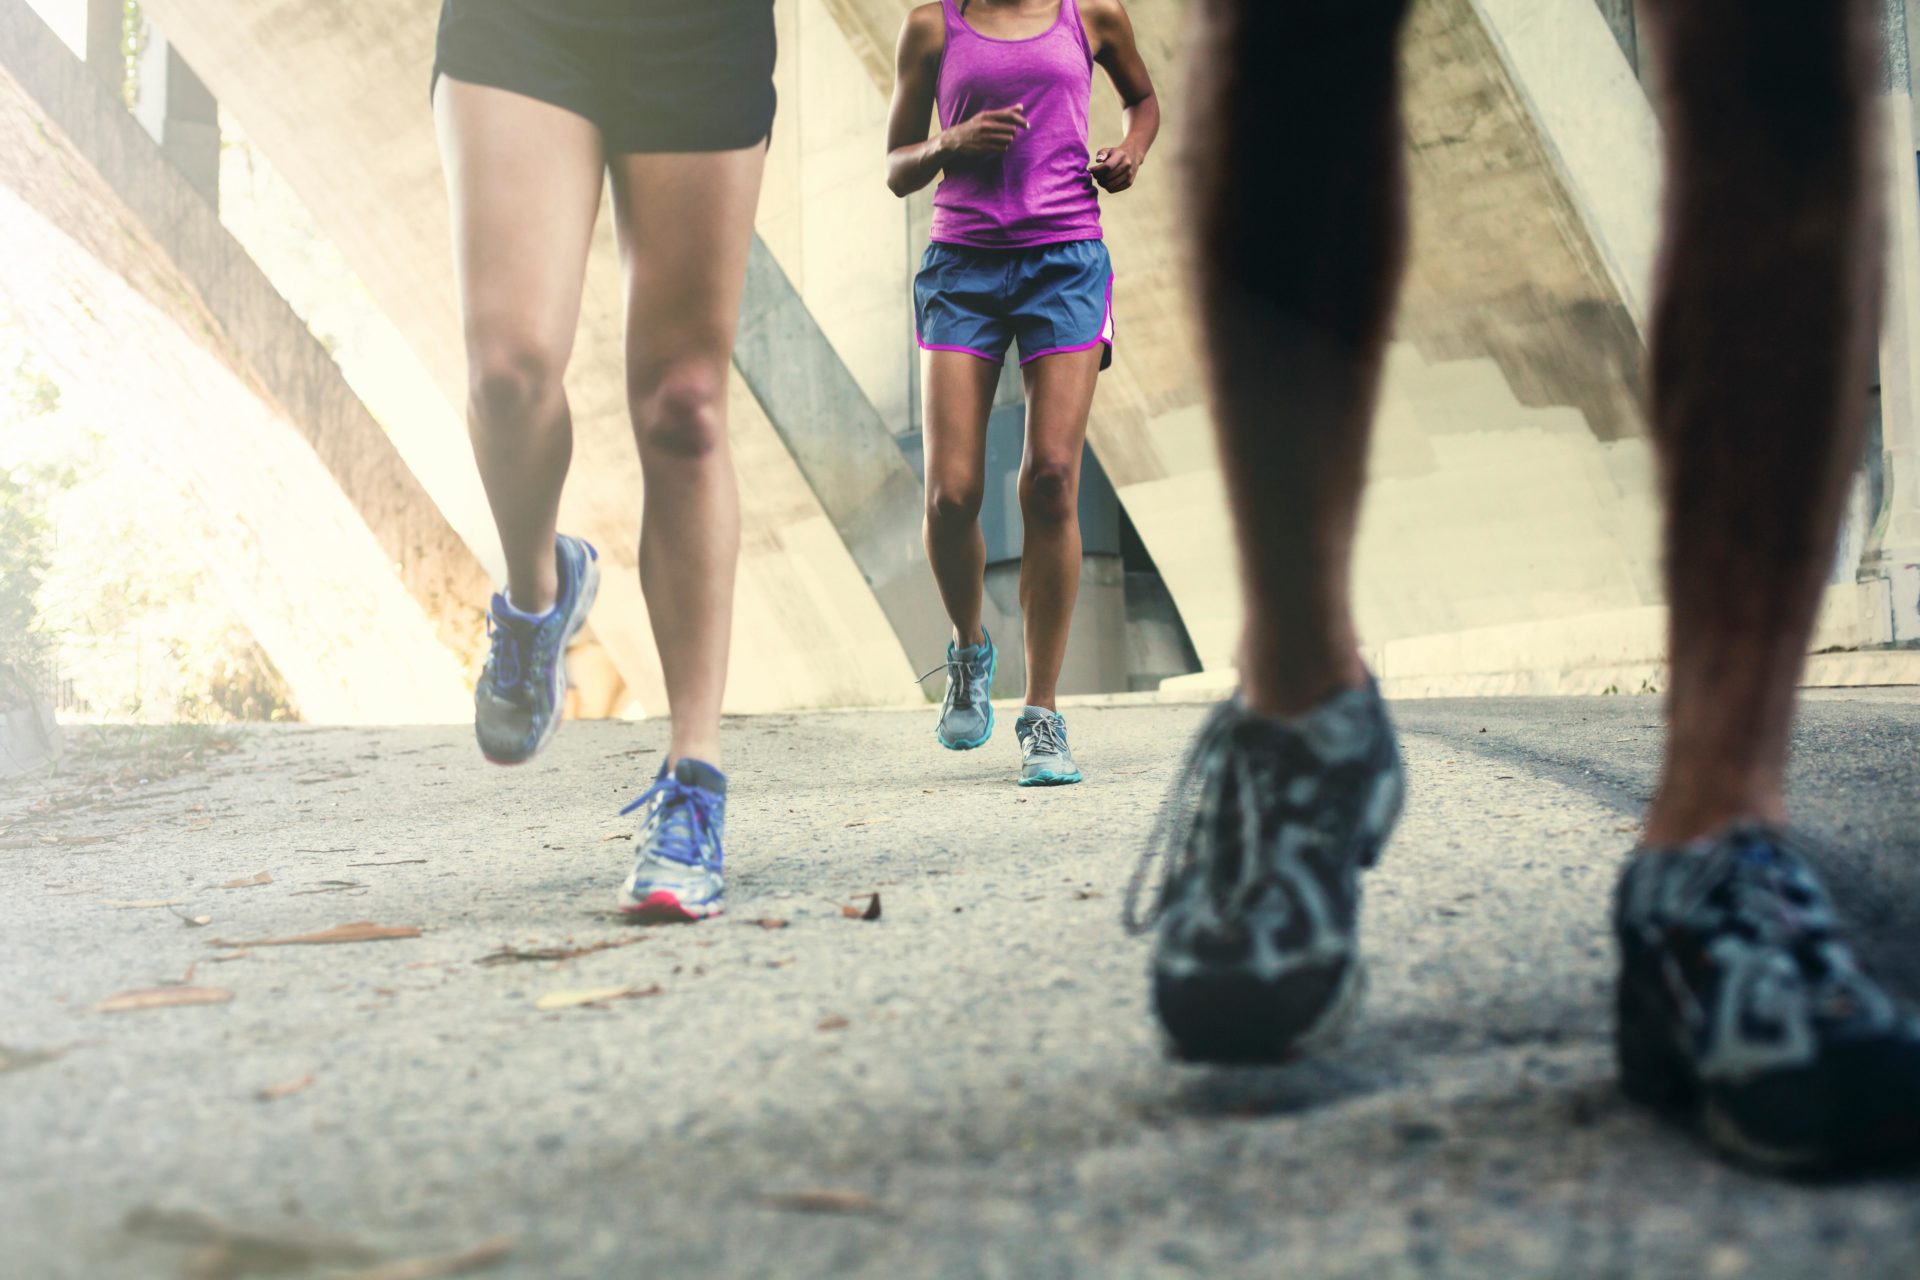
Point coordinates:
[(134, 36), (26, 537)]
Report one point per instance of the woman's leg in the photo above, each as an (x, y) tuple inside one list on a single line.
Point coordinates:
[(959, 400), (686, 222), (1059, 398), (523, 179)]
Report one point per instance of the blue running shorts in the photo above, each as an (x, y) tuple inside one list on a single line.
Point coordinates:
[(1051, 298)]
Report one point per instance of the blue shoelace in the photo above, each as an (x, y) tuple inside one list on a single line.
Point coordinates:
[(685, 823), (506, 659)]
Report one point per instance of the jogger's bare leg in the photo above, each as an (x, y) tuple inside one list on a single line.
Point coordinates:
[(686, 224), (959, 399), (1299, 264), (1059, 398), (523, 179), (1762, 342)]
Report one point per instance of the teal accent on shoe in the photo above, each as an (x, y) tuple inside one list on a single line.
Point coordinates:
[(1045, 758), (976, 743), (978, 690)]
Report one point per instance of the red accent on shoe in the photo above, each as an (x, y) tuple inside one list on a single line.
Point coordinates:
[(662, 907)]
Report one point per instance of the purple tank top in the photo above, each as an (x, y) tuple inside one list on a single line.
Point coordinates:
[(1039, 192)]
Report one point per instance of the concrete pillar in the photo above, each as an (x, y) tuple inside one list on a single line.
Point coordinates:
[(190, 132), (1893, 548), (171, 103), (106, 35)]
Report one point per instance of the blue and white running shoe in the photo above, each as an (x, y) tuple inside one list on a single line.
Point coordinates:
[(517, 704), (1045, 758), (678, 867), (966, 716)]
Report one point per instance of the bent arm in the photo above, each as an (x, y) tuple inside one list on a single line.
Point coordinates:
[(914, 159), (1116, 50)]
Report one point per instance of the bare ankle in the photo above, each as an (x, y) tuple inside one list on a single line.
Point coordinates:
[(1296, 688), (1681, 814), (706, 751)]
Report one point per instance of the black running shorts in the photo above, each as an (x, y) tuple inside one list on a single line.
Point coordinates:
[(652, 75)]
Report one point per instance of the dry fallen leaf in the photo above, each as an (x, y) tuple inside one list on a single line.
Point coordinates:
[(15, 1059), (592, 995), (484, 1254), (247, 882), (273, 1093), (358, 931), (870, 912), (769, 922), (226, 1251), (824, 1201), (513, 955), (163, 998), (835, 1023)]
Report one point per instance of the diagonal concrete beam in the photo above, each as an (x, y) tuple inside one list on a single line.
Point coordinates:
[(841, 446)]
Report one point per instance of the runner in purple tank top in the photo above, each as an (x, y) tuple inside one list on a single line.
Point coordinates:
[(1016, 255)]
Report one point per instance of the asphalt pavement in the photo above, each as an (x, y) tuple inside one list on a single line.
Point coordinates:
[(968, 1085)]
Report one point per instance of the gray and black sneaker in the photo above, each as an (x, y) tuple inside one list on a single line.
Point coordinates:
[(966, 715), (1742, 1009), (1045, 758), (1264, 838), (518, 702)]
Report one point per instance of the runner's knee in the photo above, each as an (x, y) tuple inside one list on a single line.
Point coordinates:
[(679, 411), (513, 381), (953, 503), (1049, 490)]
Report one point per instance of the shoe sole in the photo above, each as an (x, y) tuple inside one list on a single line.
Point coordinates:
[(1658, 1075), (1051, 779), (664, 907), (583, 606), (1232, 1019), (993, 669), (1245, 1022)]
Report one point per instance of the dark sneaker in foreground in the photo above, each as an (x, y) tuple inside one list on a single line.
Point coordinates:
[(678, 856), (1045, 759), (966, 715), (1256, 960), (1743, 1010), (517, 704)]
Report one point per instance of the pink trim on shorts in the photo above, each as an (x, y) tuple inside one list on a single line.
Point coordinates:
[(1106, 335), (965, 351)]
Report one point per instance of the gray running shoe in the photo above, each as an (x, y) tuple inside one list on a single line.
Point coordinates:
[(517, 703), (1265, 836), (1045, 759), (966, 717), (679, 863)]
